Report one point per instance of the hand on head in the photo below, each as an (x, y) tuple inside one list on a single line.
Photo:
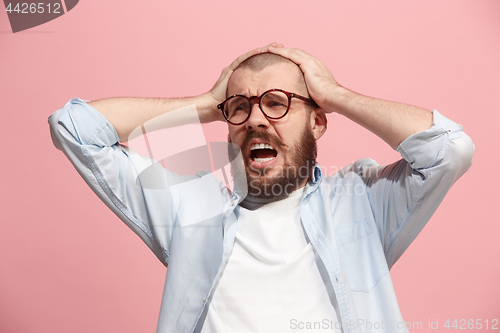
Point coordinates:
[(319, 79), (218, 92)]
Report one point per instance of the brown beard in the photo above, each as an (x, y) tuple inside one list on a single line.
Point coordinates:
[(293, 175)]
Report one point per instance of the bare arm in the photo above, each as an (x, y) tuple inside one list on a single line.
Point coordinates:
[(127, 113), (392, 122)]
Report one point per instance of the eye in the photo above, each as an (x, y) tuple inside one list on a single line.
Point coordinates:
[(271, 104), (241, 106), (275, 100), (237, 104)]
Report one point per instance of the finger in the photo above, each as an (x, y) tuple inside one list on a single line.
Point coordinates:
[(273, 44), (291, 50), (295, 55), (266, 48)]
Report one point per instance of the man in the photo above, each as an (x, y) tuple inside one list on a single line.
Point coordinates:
[(302, 251)]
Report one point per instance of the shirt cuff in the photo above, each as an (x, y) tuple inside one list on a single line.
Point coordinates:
[(426, 149), (87, 125)]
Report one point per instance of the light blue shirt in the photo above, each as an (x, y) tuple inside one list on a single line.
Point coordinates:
[(360, 221)]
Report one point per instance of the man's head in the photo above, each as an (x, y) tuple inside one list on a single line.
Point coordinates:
[(278, 153)]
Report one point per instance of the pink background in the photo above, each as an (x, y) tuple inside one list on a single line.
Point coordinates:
[(69, 265)]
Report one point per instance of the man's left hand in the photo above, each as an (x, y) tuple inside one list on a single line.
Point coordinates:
[(320, 82), (392, 122)]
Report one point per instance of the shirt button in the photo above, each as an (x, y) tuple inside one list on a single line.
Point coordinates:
[(204, 299), (232, 202)]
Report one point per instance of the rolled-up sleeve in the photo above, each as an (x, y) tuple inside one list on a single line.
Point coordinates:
[(113, 172), (405, 194)]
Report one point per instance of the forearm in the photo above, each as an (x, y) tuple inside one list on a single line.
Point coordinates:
[(392, 122), (127, 114)]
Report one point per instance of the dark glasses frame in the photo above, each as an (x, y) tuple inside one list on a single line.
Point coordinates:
[(259, 98)]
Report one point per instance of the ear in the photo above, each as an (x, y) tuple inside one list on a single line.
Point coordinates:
[(318, 122)]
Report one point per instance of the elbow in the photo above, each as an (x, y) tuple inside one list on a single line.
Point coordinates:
[(54, 128), (459, 154)]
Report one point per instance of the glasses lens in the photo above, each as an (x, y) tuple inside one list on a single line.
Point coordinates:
[(275, 104), (237, 108)]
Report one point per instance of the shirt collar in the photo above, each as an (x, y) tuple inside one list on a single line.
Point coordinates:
[(317, 175)]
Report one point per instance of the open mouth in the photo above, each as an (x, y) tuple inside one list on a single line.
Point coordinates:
[(262, 152)]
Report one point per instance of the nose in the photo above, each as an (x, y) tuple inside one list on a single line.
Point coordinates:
[(257, 118)]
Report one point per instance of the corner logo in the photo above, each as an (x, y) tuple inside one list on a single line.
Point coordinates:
[(28, 14)]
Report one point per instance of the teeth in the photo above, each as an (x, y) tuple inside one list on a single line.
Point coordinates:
[(262, 160), (261, 146)]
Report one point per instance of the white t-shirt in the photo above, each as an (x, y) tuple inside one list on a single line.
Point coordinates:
[(271, 282)]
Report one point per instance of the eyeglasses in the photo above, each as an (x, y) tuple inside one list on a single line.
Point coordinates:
[(274, 104)]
